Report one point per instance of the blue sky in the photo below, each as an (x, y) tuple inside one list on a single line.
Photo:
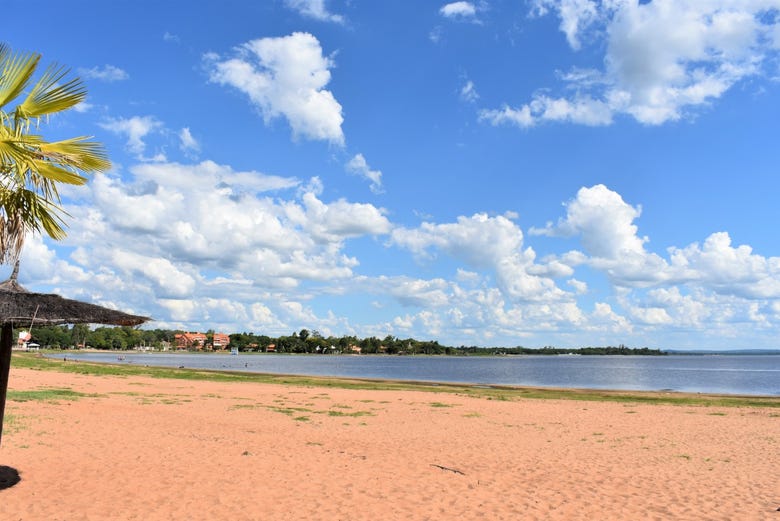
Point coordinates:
[(542, 172)]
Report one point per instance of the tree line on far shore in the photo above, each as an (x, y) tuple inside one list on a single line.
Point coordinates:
[(303, 341)]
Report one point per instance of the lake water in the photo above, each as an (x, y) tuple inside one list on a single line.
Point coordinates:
[(727, 374)]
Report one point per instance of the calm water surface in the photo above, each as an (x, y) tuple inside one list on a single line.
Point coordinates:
[(728, 374)]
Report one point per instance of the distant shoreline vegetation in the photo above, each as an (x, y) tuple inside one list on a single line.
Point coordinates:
[(302, 342)]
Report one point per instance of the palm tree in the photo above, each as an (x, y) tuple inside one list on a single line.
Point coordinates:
[(31, 168)]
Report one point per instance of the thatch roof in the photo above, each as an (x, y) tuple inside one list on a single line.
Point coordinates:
[(19, 306)]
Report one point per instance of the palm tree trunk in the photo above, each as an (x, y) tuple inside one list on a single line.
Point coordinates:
[(6, 342)]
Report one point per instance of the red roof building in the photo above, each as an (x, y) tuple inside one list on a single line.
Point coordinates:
[(221, 341), (200, 341), (189, 340)]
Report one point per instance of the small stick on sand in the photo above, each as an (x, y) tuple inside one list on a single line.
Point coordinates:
[(456, 471)]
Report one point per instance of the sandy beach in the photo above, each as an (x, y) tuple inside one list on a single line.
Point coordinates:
[(144, 448)]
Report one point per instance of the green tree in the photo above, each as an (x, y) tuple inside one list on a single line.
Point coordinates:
[(31, 168), (79, 334)]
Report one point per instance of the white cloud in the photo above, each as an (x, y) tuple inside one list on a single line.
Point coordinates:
[(83, 107), (604, 222), (135, 129), (728, 270), (108, 73), (521, 117), (416, 292), (605, 318), (486, 242), (338, 220), (188, 143), (358, 165), (170, 281), (208, 217), (663, 59), (286, 77), (584, 110), (579, 286), (314, 9), (468, 92), (201, 245), (575, 15), (458, 10)]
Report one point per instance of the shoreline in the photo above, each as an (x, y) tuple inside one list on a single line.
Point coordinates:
[(125, 446), (662, 396)]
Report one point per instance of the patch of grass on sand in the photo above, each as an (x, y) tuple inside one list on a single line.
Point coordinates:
[(354, 414), (440, 405), (289, 411), (492, 392), (12, 424), (48, 395), (241, 406)]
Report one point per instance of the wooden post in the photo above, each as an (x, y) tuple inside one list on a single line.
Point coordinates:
[(6, 343)]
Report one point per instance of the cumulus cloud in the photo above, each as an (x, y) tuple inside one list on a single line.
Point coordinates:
[(107, 73), (417, 292), (315, 9), (285, 77), (603, 220), (727, 269), (203, 244), (358, 166), (663, 59), (459, 10), (485, 242), (338, 220), (207, 216), (605, 226), (135, 129)]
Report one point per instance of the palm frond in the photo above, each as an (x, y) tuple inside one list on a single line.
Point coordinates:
[(23, 211), (31, 168), (15, 72), (48, 95), (15, 159), (55, 174), (87, 156)]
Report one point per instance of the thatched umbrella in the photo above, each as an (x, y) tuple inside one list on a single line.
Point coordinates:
[(19, 306)]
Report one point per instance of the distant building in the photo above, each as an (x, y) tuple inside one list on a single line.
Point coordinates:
[(189, 340), (200, 341), (221, 341)]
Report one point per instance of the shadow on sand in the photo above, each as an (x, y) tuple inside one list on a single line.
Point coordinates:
[(9, 477)]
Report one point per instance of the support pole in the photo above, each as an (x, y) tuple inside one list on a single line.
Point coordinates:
[(6, 342)]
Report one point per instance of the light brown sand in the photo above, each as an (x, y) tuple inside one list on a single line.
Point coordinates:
[(151, 449)]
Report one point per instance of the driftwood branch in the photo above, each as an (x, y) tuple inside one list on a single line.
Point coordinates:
[(456, 471)]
